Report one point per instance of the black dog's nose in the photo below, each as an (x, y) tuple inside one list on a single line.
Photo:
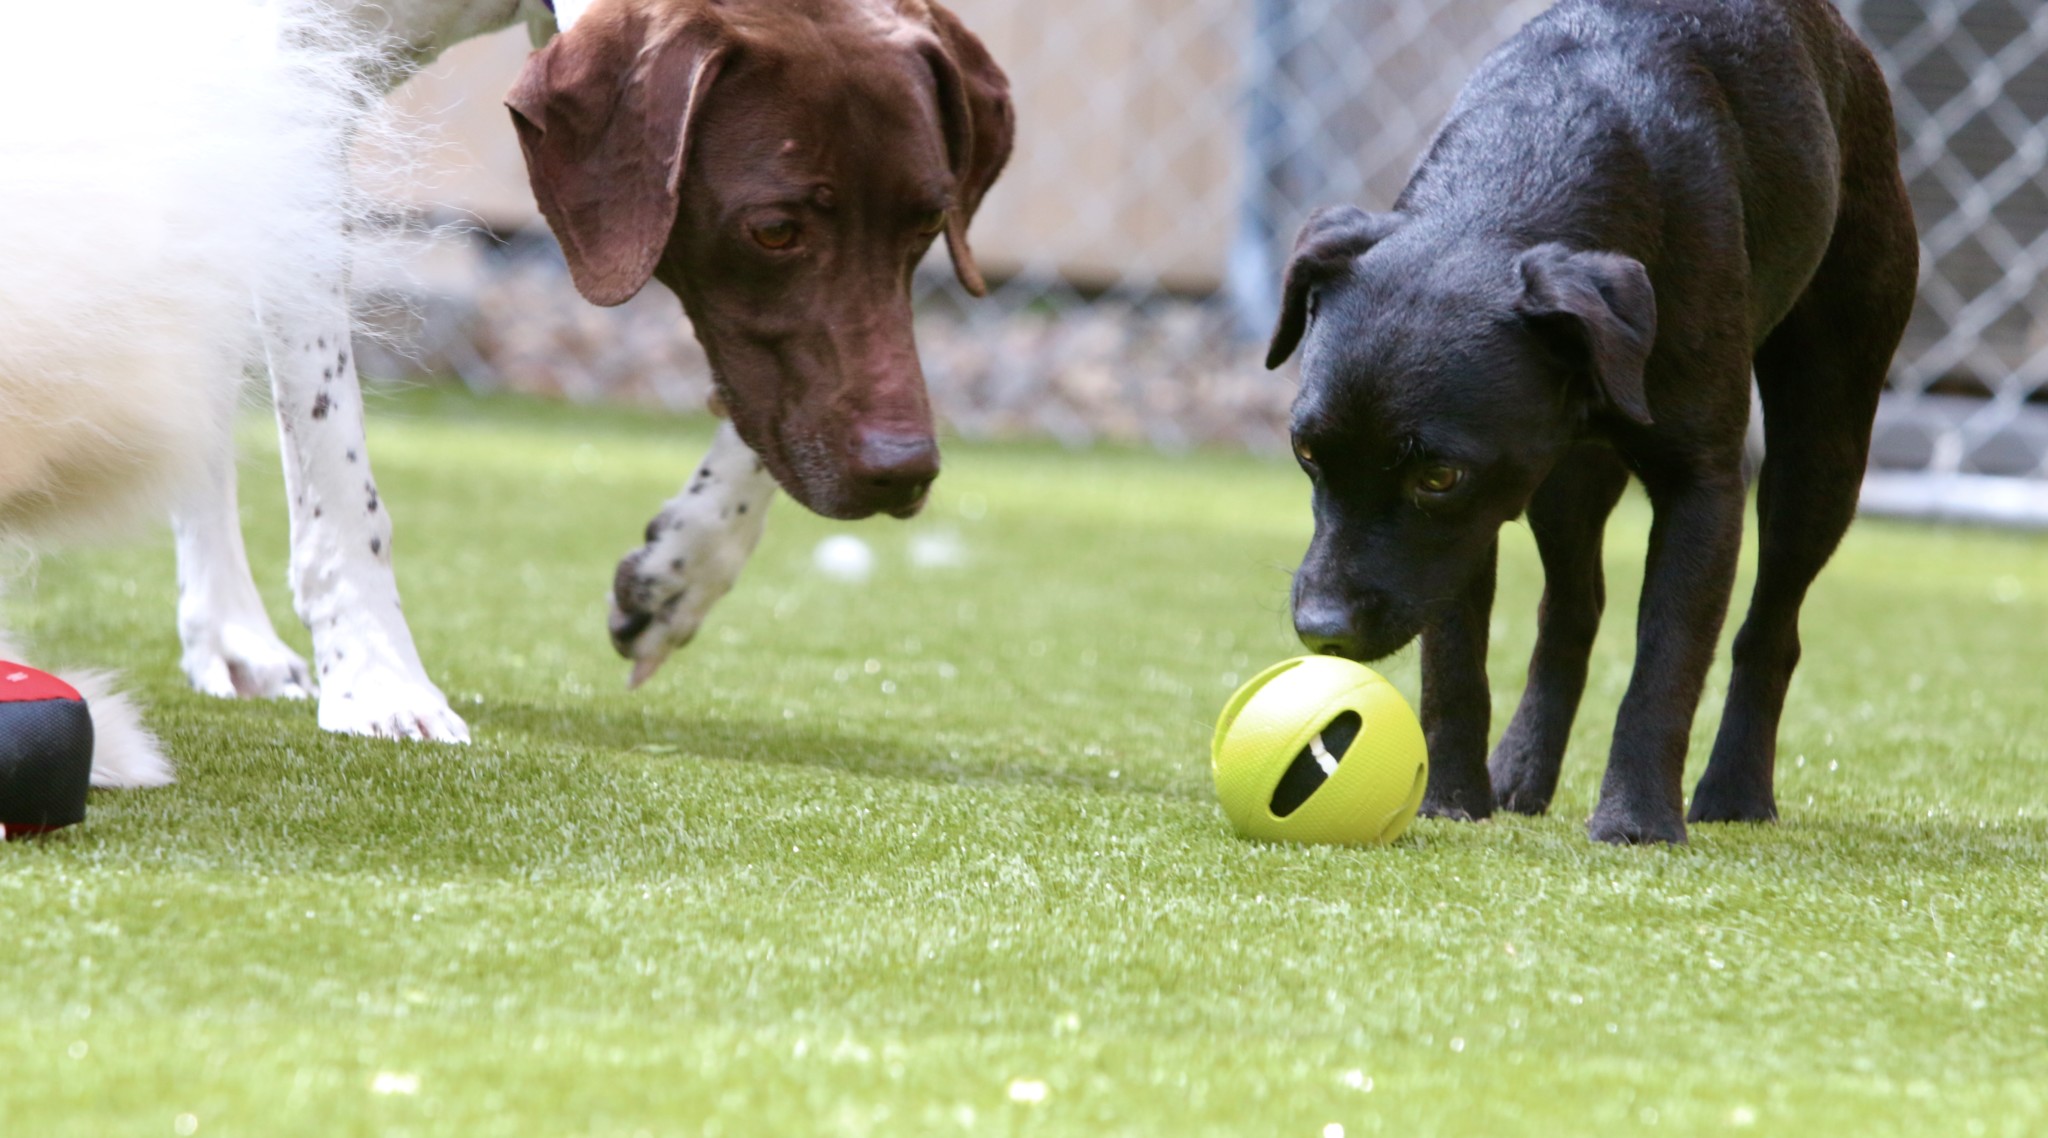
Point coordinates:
[(892, 470), (1327, 630)]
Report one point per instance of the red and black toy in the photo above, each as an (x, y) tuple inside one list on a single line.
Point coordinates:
[(45, 751)]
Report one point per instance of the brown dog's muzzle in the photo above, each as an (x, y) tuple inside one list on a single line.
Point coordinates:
[(892, 472)]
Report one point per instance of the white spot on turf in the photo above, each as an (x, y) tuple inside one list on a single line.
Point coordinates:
[(844, 557), (1027, 1090), (941, 549)]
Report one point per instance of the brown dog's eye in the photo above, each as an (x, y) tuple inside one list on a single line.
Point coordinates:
[(930, 224), (1439, 479), (775, 234)]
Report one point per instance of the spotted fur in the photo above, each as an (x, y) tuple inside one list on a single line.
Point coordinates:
[(694, 551)]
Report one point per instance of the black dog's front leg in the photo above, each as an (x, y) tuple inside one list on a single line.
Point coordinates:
[(1457, 709), (1694, 542), (1567, 516)]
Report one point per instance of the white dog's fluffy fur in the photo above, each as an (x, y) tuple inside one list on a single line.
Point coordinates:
[(169, 173)]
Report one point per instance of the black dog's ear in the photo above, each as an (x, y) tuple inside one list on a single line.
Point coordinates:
[(1330, 240), (1598, 308)]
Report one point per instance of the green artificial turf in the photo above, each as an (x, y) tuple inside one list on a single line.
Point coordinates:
[(937, 854)]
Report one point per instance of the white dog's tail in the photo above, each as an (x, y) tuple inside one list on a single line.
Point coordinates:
[(124, 752)]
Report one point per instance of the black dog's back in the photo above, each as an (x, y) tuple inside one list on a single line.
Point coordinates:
[(1727, 118)]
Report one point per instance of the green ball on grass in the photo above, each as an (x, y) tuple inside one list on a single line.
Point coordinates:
[(1319, 749)]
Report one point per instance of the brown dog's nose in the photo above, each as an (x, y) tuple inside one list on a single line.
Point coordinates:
[(893, 469)]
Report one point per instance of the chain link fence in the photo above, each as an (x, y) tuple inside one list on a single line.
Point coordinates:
[(1964, 431), (1167, 151)]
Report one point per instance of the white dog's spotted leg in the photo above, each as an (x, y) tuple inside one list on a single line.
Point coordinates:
[(230, 647), (695, 550), (370, 676)]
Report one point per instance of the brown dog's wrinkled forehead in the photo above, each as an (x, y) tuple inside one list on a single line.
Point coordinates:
[(792, 107), (607, 111)]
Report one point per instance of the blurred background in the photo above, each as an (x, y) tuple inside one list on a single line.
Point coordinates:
[(1166, 152)]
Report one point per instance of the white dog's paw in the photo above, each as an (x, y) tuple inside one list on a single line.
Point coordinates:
[(695, 550), (235, 660), (384, 703)]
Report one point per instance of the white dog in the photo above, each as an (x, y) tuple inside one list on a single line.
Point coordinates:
[(173, 206)]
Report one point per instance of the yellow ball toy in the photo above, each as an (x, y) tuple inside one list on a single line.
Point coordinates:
[(1319, 749)]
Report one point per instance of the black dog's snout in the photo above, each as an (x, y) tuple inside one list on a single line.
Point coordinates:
[(1327, 629)]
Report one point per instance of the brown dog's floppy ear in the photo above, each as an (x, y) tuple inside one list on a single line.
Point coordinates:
[(603, 114), (980, 125), (1601, 308), (1329, 241)]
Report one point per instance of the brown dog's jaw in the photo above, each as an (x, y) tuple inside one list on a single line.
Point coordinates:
[(905, 513), (838, 469), (838, 482)]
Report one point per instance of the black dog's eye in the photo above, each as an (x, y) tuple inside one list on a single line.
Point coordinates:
[(1439, 479), (775, 234), (930, 224), (1303, 454)]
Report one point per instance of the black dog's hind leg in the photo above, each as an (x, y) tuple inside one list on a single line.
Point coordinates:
[(1567, 516), (1819, 372), (1457, 708)]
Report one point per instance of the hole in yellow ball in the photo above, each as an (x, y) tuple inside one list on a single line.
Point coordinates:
[(1314, 765)]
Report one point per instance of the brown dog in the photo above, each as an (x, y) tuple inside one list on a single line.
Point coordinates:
[(782, 166)]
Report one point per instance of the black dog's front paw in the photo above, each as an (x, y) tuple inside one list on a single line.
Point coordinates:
[(1626, 827), (1522, 783), (1732, 800), (1466, 802), (1518, 799)]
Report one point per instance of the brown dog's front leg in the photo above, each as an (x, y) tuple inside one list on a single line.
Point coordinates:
[(1694, 542), (1457, 709)]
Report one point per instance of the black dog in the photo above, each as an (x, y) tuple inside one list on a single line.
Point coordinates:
[(1631, 204)]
